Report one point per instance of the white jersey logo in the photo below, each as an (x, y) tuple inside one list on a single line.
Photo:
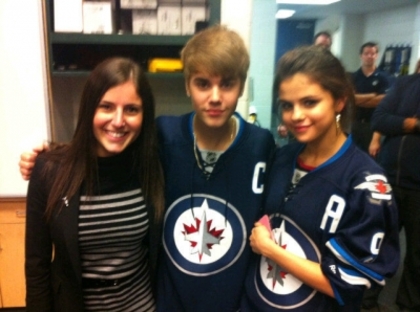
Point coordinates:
[(203, 234), (377, 185), (277, 287)]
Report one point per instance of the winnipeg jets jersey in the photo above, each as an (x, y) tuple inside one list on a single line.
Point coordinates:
[(341, 215), (208, 217)]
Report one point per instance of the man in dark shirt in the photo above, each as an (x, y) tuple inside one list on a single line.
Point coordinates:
[(370, 87)]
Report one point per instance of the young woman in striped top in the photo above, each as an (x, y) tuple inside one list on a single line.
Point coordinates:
[(94, 206)]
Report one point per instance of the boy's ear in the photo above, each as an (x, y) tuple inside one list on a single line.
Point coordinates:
[(187, 89)]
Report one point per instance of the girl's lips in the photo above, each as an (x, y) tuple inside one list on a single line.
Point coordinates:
[(299, 129), (116, 135)]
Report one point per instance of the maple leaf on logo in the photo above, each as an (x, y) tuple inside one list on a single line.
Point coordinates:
[(202, 236), (275, 272), (381, 187)]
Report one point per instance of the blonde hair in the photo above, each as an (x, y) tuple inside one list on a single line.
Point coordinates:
[(217, 51)]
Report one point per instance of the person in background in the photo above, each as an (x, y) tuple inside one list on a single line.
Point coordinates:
[(370, 86), (95, 205), (323, 39), (332, 230), (253, 116), (397, 117), (214, 163)]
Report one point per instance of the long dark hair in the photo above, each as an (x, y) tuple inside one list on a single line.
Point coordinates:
[(323, 68), (78, 160)]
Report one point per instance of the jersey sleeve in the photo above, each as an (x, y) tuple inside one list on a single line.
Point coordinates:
[(364, 249)]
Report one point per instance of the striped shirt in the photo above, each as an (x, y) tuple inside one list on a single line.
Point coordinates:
[(112, 228)]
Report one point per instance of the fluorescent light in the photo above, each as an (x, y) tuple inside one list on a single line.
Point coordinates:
[(284, 13), (310, 2)]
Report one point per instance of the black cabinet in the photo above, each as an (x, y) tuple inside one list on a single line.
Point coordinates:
[(71, 56), (78, 52)]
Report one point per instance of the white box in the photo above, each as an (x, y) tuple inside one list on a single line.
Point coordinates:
[(190, 15), (97, 17), (169, 20), (68, 16), (145, 22), (138, 4)]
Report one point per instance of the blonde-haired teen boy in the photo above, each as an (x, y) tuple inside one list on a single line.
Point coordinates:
[(214, 164)]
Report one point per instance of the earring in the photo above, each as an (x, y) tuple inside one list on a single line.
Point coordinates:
[(337, 120)]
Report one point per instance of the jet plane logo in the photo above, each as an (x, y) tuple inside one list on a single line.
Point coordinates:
[(203, 234), (274, 284), (377, 185)]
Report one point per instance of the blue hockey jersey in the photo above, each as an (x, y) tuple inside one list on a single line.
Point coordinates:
[(341, 215), (208, 219)]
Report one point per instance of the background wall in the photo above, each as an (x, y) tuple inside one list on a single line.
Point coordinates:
[(262, 50), (396, 26), (23, 93)]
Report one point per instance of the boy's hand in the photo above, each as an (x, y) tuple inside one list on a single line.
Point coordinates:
[(27, 160)]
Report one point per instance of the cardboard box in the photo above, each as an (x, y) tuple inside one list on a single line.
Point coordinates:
[(190, 15), (138, 4), (169, 20), (97, 17), (145, 22), (68, 16)]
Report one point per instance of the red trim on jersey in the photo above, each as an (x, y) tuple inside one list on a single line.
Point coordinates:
[(303, 166)]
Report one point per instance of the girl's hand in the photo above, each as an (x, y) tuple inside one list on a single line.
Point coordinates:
[(260, 239)]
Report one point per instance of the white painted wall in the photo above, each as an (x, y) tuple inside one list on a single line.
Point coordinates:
[(262, 69), (236, 14), (23, 94), (397, 26)]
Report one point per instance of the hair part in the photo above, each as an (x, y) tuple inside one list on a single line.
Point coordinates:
[(217, 51), (78, 160), (322, 67)]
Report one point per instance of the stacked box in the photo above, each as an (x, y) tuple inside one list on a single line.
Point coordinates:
[(191, 15), (97, 17), (169, 19), (145, 22)]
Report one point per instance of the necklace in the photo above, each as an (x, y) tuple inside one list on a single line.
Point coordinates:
[(198, 157), (232, 127)]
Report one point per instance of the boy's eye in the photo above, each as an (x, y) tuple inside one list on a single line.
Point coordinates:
[(201, 83), (227, 84)]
